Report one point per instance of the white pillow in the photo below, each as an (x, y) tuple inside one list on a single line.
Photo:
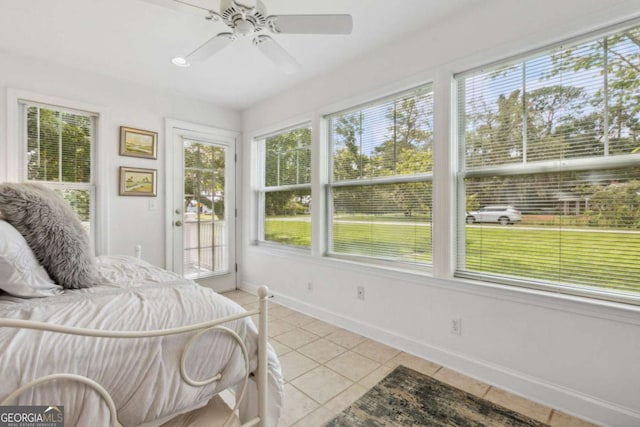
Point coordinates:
[(20, 273)]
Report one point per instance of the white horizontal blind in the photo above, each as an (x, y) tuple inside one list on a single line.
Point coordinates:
[(557, 137), (380, 189), (59, 146), (286, 194)]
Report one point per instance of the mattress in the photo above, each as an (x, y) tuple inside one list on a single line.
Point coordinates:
[(141, 375)]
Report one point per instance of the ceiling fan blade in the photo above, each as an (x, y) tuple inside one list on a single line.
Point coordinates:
[(280, 57), (178, 5), (311, 24), (211, 47), (170, 4), (190, 4)]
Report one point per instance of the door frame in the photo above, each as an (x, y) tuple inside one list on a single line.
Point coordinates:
[(175, 131)]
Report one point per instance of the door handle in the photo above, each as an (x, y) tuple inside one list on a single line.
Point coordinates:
[(178, 223)]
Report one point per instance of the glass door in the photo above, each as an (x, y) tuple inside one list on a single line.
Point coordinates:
[(204, 212)]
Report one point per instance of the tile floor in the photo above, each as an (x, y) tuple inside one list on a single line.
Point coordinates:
[(327, 368)]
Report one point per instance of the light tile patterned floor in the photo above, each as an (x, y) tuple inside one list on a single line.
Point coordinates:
[(327, 368)]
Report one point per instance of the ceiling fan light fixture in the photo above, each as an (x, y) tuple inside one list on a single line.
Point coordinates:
[(180, 62), (244, 27)]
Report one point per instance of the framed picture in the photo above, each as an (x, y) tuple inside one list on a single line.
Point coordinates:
[(137, 182), (138, 143)]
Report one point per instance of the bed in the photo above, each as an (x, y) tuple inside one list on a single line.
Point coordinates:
[(140, 346)]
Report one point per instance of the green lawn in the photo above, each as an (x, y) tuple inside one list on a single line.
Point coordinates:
[(397, 242), (289, 232), (588, 258)]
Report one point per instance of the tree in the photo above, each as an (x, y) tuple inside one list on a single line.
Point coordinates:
[(507, 143), (350, 163), (407, 150), (547, 104), (495, 134), (480, 122), (617, 56), (548, 108), (583, 135), (287, 203), (288, 162), (472, 203), (615, 204), (409, 131), (204, 176), (59, 146), (288, 158), (348, 160), (59, 149)]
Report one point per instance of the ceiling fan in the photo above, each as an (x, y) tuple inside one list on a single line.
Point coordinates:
[(248, 18)]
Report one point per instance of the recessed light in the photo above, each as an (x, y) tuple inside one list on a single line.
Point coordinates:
[(180, 61)]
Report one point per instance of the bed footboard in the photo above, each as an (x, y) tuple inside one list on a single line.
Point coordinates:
[(198, 329)]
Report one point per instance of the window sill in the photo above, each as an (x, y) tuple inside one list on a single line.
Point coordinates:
[(591, 307), (278, 247)]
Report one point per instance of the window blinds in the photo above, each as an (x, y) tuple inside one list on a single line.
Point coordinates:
[(380, 191), (288, 158), (59, 146), (556, 136)]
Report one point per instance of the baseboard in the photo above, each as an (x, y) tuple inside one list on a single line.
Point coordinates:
[(572, 402)]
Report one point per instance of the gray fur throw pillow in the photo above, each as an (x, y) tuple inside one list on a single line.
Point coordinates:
[(52, 230)]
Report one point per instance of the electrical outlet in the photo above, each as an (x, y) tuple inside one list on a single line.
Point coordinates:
[(309, 286), (361, 293), (456, 326)]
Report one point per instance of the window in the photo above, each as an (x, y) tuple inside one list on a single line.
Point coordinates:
[(285, 197), (59, 146), (380, 179), (555, 137)]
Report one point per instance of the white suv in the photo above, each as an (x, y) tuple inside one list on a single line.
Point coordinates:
[(500, 214)]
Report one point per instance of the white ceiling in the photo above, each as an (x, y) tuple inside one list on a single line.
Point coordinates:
[(134, 40)]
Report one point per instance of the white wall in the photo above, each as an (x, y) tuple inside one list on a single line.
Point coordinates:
[(573, 354), (129, 220)]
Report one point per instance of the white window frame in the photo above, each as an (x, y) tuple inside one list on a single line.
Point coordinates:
[(16, 153), (524, 168), (262, 189), (395, 179)]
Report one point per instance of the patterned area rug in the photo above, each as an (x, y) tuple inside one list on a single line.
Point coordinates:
[(408, 398)]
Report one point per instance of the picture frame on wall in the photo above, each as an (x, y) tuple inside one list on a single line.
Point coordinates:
[(138, 182), (138, 143)]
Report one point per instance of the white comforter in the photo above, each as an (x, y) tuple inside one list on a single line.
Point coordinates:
[(142, 375)]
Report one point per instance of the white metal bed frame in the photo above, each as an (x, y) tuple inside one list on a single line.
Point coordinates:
[(198, 328)]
